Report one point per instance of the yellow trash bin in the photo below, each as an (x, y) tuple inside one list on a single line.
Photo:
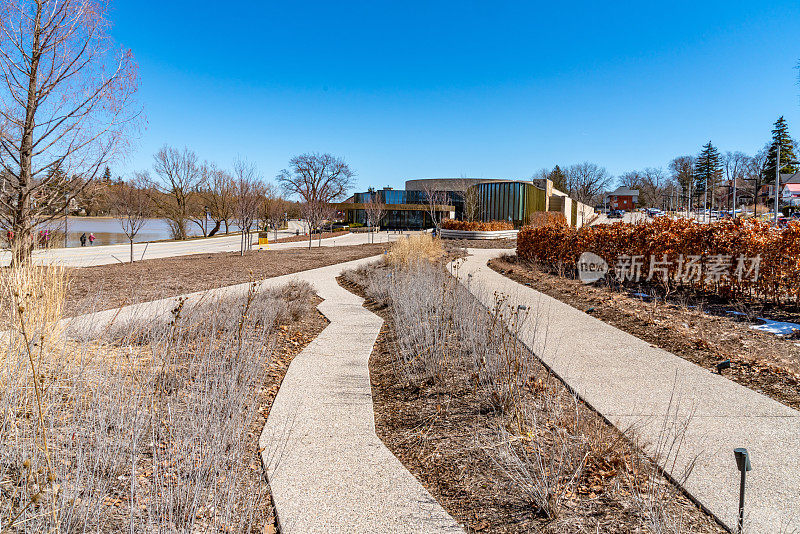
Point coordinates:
[(263, 240)]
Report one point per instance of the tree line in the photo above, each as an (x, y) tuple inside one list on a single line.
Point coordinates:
[(705, 180)]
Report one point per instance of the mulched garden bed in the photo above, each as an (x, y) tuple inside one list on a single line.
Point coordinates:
[(109, 286), (761, 361)]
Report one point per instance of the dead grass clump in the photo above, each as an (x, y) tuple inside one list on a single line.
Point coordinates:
[(574, 472), (144, 432), (415, 249)]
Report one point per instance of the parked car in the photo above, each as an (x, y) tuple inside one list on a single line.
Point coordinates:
[(616, 214)]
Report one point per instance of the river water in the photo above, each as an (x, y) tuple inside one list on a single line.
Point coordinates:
[(108, 231)]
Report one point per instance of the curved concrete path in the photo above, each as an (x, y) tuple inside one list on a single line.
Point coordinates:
[(636, 385), (328, 470)]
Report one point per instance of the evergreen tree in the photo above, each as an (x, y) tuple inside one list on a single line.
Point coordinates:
[(558, 178), (106, 176), (780, 137), (707, 170)]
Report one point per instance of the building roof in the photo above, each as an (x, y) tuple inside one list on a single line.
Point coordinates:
[(624, 191), (790, 178), (446, 184)]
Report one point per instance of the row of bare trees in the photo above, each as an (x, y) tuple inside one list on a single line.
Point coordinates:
[(184, 191), (67, 109), (739, 181)]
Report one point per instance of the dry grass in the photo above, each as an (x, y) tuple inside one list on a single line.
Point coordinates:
[(143, 430), (575, 472), (421, 247)]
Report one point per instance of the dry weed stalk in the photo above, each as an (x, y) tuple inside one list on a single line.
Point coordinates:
[(146, 429), (551, 447)]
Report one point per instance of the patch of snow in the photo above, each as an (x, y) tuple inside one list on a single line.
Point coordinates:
[(776, 327)]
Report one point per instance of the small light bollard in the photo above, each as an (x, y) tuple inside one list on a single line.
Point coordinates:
[(743, 464)]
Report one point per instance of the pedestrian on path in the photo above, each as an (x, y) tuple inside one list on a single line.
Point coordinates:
[(91, 238), (83, 239)]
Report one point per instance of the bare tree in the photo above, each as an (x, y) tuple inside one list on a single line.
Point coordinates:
[(179, 177), (586, 181), (130, 204), (375, 210), (734, 164), (66, 104), (273, 209), (220, 199), (318, 180), (682, 170), (249, 189), (434, 200), (754, 173)]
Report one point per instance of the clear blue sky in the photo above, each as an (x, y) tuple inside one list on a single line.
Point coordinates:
[(487, 89)]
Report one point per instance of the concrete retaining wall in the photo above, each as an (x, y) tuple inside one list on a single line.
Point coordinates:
[(469, 234)]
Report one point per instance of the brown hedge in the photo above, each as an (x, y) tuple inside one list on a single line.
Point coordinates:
[(558, 247), (476, 226)]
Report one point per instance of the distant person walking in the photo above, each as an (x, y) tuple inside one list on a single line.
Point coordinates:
[(91, 238), (83, 239)]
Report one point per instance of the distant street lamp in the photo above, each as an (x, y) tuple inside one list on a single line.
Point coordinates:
[(205, 222)]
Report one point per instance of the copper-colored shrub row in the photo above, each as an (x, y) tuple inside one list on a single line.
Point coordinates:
[(557, 246)]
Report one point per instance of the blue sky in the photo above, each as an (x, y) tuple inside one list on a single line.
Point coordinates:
[(486, 89)]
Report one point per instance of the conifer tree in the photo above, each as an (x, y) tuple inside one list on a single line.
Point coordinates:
[(780, 137), (558, 178), (707, 170), (106, 176)]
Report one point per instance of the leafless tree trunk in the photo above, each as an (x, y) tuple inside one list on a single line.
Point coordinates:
[(66, 107), (220, 199), (586, 181), (682, 169), (130, 204), (274, 207), (434, 200), (179, 177), (318, 179), (375, 210), (249, 189)]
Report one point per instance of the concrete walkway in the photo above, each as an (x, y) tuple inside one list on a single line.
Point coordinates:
[(328, 470), (110, 254), (634, 384)]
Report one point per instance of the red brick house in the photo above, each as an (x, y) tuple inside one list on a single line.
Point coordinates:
[(623, 199)]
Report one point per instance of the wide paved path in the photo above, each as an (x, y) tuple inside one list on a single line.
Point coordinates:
[(328, 470), (109, 254), (634, 384)]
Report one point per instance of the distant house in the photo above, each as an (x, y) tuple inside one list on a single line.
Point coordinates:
[(791, 194), (623, 199), (766, 193)]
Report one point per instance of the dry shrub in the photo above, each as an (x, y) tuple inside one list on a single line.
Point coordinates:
[(415, 249), (542, 218), (555, 451), (558, 247), (146, 430), (476, 226)]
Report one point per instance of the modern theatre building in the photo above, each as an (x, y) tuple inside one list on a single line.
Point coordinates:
[(464, 199)]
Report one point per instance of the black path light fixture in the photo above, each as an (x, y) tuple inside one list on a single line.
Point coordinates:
[(721, 366), (743, 464)]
